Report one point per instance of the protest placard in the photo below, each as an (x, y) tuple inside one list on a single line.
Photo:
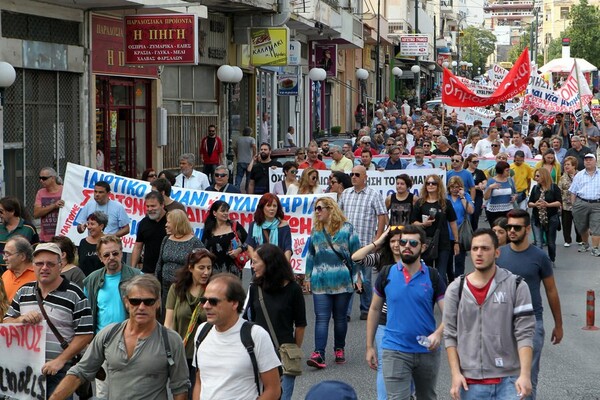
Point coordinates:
[(79, 189), (22, 355)]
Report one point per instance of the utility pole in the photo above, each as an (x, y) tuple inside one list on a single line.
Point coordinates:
[(418, 86), (377, 50)]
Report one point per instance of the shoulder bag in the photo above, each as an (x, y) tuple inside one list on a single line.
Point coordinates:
[(241, 259), (291, 354), (433, 242), (465, 231), (344, 260)]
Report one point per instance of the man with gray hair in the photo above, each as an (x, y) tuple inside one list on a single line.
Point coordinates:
[(340, 162), (143, 358), (221, 181), (189, 178), (443, 148), (18, 256)]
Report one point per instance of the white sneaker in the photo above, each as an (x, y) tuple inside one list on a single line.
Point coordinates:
[(567, 245)]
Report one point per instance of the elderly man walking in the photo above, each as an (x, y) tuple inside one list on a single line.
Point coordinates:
[(585, 197)]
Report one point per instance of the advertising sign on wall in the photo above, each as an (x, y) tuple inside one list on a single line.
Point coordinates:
[(414, 45), (269, 46), (161, 39), (326, 58), (287, 84)]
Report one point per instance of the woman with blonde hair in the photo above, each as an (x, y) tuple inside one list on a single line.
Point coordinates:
[(309, 183), (330, 275), (179, 242), (545, 200), (433, 212), (550, 163), (570, 164)]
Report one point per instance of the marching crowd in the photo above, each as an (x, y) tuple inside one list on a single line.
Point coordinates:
[(174, 317)]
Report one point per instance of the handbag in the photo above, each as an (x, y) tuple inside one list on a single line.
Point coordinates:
[(433, 242), (465, 232), (344, 261), (241, 259), (291, 354)]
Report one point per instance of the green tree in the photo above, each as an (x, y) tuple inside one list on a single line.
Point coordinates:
[(584, 32), (524, 41), (555, 47), (476, 45)]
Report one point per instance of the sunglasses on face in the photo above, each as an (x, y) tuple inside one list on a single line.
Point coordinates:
[(320, 208), (114, 254), (411, 242), (220, 175), (431, 183), (356, 174), (45, 178), (456, 160), (211, 131), (495, 145), (516, 228), (151, 175), (475, 161), (213, 301), (136, 302)]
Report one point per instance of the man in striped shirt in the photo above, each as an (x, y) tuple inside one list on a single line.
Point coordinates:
[(66, 307)]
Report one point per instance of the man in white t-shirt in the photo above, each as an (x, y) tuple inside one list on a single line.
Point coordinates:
[(224, 370), (484, 146)]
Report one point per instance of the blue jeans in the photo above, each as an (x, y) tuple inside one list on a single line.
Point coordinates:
[(241, 170), (400, 368), (441, 262), (504, 390), (538, 345), (478, 209), (367, 295), (381, 392), (456, 265), (538, 232), (326, 305), (287, 385)]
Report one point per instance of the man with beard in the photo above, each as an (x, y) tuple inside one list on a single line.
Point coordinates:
[(419, 162), (150, 233), (118, 220), (488, 328), (211, 151), (259, 176), (103, 289), (533, 264), (410, 289)]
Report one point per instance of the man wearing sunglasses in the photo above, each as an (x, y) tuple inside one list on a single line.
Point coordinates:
[(211, 150), (221, 181), (103, 289), (524, 259), (64, 305), (141, 358), (224, 368)]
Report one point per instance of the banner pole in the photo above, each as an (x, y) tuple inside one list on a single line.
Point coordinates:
[(580, 98)]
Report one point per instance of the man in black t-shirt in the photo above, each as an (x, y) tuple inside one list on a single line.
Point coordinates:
[(150, 233), (259, 177)]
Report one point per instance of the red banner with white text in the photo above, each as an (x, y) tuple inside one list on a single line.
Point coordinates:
[(456, 93)]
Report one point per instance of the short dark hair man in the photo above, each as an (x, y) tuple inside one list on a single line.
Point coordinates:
[(150, 233), (533, 264), (66, 306), (118, 220), (134, 351), (211, 150), (219, 374), (259, 176), (163, 186), (488, 328)]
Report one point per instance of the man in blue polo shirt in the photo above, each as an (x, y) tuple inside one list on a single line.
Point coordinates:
[(410, 294)]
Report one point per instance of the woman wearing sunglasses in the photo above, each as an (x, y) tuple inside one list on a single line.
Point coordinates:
[(463, 207), (175, 247), (434, 213), (330, 275), (184, 313), (149, 175), (225, 239), (338, 182), (283, 300), (382, 252), (290, 170), (472, 165), (269, 226), (309, 183), (545, 201)]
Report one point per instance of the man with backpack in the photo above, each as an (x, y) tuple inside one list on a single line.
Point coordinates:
[(232, 356), (411, 341), (488, 328)]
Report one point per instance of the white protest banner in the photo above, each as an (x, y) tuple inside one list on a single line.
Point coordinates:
[(496, 75), (22, 356), (79, 186), (383, 182)]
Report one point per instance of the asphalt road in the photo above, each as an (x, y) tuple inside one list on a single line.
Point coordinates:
[(570, 370)]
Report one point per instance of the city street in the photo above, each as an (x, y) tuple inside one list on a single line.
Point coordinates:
[(570, 370)]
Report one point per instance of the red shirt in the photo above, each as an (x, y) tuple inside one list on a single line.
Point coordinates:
[(214, 158), (316, 165), (358, 152)]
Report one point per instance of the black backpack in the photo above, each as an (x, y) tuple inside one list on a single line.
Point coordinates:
[(246, 337), (434, 276)]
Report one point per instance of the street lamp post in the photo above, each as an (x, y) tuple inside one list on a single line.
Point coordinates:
[(416, 69), (7, 78), (362, 75), (454, 64), (229, 76), (317, 75), (397, 72)]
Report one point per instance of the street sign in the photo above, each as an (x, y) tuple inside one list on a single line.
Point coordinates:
[(414, 45)]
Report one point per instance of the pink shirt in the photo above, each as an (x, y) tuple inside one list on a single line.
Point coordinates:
[(48, 222)]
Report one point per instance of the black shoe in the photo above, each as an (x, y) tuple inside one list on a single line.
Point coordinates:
[(363, 316), (348, 318)]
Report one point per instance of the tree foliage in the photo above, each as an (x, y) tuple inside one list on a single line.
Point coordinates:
[(476, 45), (525, 41), (584, 31)]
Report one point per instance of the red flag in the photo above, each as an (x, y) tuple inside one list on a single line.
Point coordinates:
[(457, 94)]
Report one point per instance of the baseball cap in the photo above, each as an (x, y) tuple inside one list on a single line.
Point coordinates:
[(51, 247), (332, 390), (590, 155)]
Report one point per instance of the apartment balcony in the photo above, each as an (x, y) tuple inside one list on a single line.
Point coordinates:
[(509, 14), (446, 7)]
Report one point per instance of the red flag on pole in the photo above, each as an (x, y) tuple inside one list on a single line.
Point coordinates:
[(457, 94)]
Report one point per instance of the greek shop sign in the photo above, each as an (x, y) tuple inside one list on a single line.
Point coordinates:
[(269, 46)]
